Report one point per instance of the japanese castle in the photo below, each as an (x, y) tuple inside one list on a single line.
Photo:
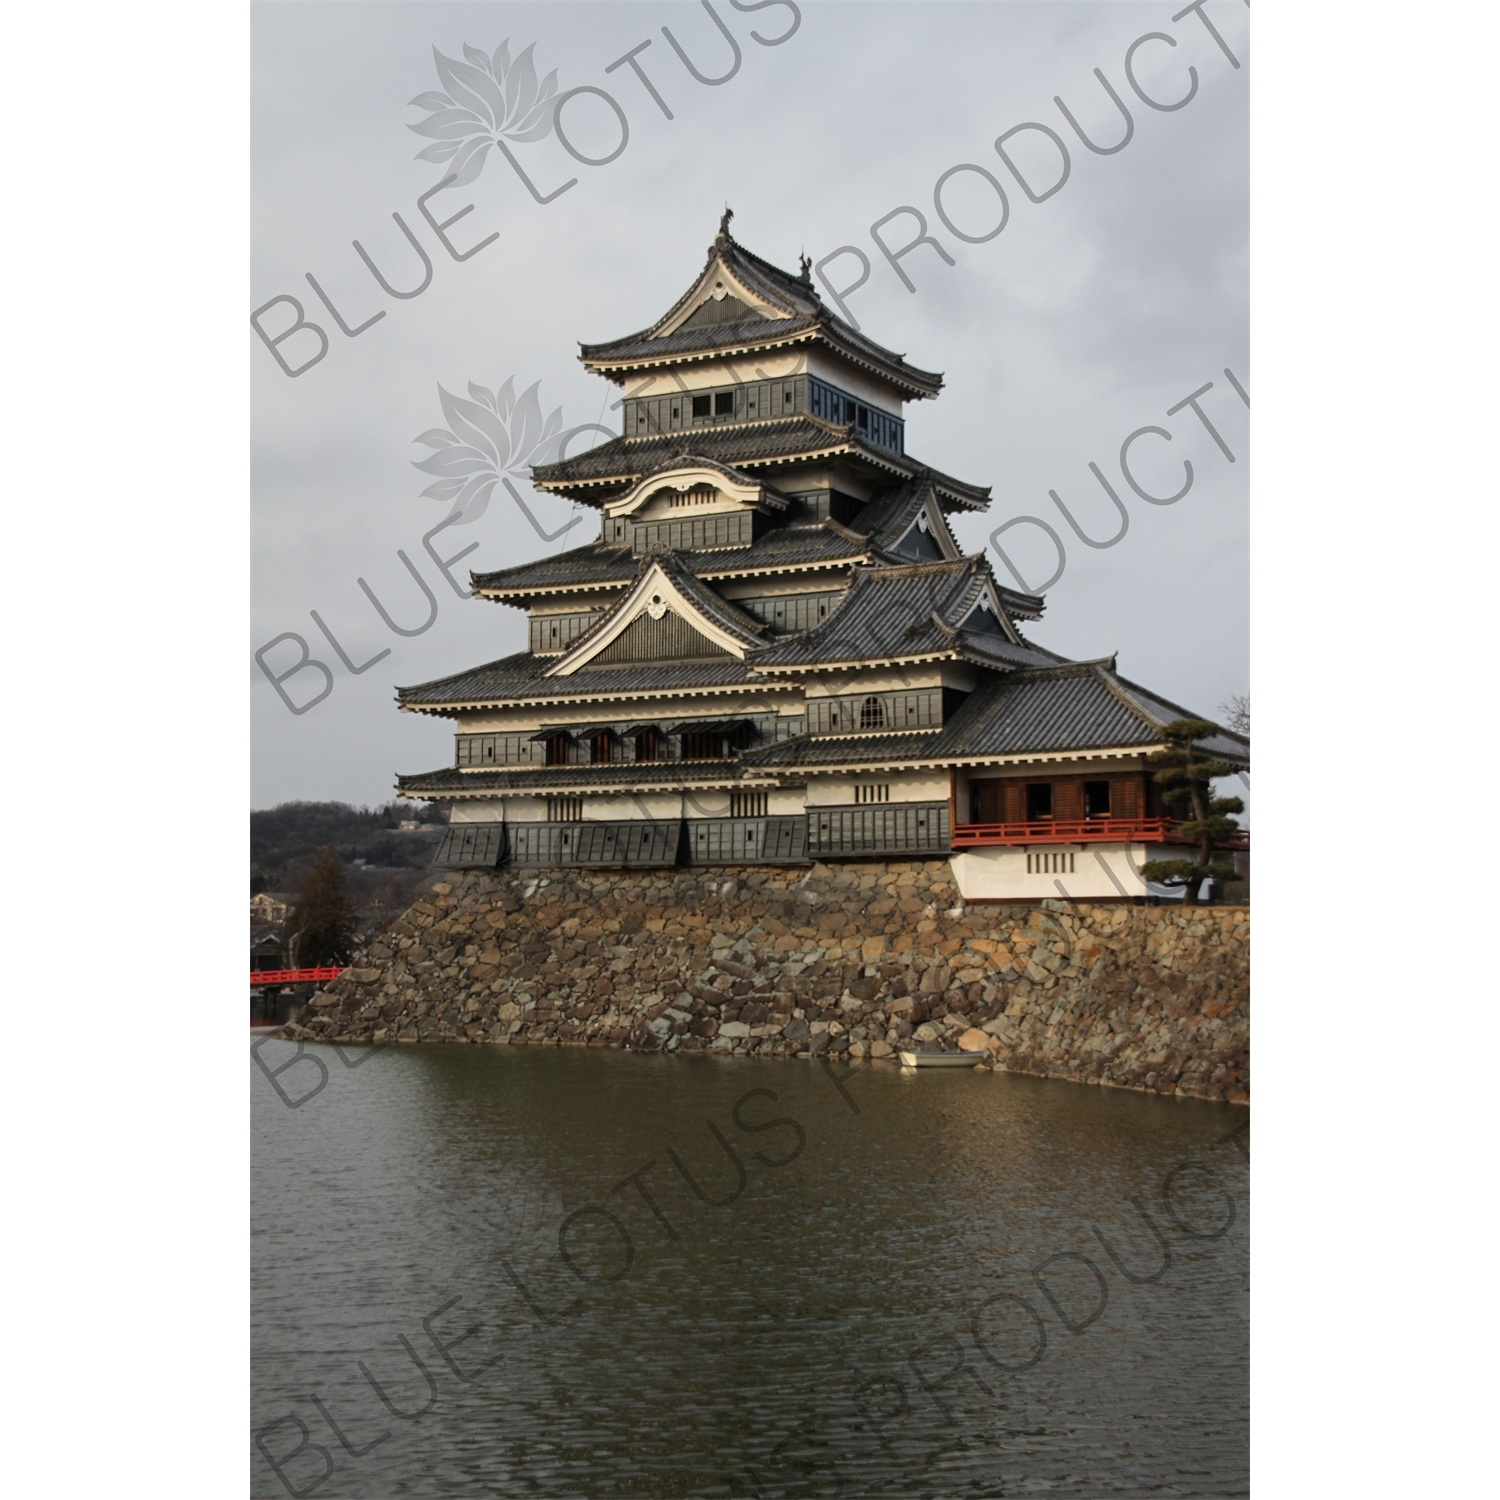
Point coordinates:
[(775, 651)]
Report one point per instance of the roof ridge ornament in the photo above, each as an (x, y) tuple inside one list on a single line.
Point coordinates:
[(724, 224)]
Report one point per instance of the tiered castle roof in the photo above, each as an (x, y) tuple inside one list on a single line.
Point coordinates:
[(804, 487)]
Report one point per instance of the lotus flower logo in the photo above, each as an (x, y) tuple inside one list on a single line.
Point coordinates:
[(487, 98), (487, 438)]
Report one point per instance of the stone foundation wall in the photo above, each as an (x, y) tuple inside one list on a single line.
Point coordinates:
[(851, 960)]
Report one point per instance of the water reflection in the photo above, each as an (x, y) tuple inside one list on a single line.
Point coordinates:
[(768, 1292)]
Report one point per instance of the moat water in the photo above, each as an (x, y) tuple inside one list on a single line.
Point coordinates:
[(916, 1298)]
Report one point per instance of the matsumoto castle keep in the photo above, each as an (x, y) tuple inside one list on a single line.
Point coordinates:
[(775, 651)]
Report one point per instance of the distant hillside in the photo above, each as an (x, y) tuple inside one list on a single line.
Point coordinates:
[(287, 838)]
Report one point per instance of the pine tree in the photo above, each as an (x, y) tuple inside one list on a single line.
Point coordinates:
[(320, 929), (1185, 778)]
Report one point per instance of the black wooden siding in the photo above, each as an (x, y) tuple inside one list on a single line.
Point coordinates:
[(521, 750), (747, 841), (670, 638), (760, 401), (553, 633), (852, 713), (887, 828), (628, 842), (830, 832), (471, 846), (789, 613), (735, 528), (870, 423)]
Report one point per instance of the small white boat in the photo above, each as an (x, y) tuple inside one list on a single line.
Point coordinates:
[(942, 1059)]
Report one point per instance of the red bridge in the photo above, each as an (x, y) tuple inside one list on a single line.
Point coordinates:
[(261, 977)]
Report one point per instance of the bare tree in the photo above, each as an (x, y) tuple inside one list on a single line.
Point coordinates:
[(1236, 711)]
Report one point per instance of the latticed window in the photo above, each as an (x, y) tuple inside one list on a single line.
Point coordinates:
[(872, 714), (1063, 862), (872, 791), (565, 809), (747, 804), (648, 745)]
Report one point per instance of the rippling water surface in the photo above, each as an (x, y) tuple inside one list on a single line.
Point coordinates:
[(859, 1318)]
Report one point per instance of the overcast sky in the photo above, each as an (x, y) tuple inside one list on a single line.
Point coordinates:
[(1085, 319)]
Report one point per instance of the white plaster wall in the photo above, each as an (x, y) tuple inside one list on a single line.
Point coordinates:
[(782, 804), (827, 366), (481, 810), (720, 372), (639, 805), (903, 681), (906, 786), (826, 582), (1101, 872)]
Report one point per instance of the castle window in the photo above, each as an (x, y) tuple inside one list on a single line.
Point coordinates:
[(701, 405), (676, 414), (874, 791), (1038, 800), (747, 804), (724, 404), (557, 750), (1060, 862), (565, 809), (872, 714), (601, 747), (648, 745), (1096, 799)]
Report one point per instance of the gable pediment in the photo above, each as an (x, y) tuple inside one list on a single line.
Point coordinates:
[(980, 611), (927, 539), (660, 620), (719, 297), (721, 310), (694, 484), (667, 637)]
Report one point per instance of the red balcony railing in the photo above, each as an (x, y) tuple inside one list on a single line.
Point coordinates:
[(259, 977), (1081, 831)]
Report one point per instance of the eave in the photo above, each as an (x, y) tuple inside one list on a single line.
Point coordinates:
[(962, 762), (918, 384), (859, 664), (580, 700), (518, 597)]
